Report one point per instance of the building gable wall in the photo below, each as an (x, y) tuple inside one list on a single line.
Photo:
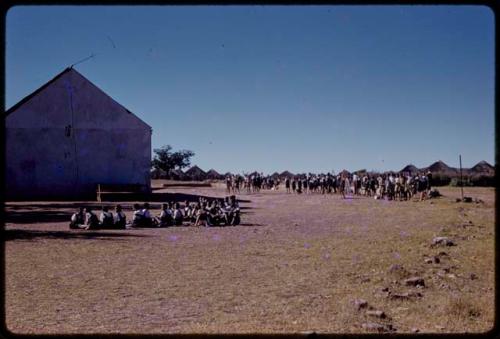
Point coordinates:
[(71, 136)]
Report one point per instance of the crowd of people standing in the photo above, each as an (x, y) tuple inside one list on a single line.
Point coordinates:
[(390, 186)]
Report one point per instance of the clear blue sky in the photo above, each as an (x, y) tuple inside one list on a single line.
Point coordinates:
[(271, 88)]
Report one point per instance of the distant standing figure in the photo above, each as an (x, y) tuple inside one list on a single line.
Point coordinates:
[(429, 180), (347, 186), (422, 187)]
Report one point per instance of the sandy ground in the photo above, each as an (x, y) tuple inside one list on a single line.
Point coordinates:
[(296, 264)]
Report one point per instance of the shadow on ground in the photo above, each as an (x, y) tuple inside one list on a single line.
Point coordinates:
[(159, 197), (113, 198), (91, 235), (36, 216)]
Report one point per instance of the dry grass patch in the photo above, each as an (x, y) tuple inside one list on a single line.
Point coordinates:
[(297, 267)]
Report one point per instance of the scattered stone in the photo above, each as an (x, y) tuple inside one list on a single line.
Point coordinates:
[(428, 261), (443, 254), (402, 296), (401, 309), (440, 327), (444, 230), (395, 267), (442, 241), (385, 289), (406, 295), (415, 294), (436, 259), (360, 303), (472, 276), (376, 313), (415, 330), (444, 286), (414, 281), (452, 276), (467, 199), (377, 327)]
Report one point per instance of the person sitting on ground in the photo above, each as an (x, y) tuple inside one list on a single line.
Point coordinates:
[(213, 214), (187, 207), (77, 219), (166, 219), (201, 216), (178, 217), (229, 211), (106, 218), (91, 221), (138, 216), (235, 211), (227, 203), (119, 218), (148, 220), (188, 213)]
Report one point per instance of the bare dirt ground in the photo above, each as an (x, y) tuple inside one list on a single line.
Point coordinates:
[(296, 264)]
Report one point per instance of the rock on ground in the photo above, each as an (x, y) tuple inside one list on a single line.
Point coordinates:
[(376, 313), (360, 303), (414, 281), (442, 241), (377, 327)]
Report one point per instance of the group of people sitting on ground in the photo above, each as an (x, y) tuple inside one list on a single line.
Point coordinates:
[(85, 218), (216, 212)]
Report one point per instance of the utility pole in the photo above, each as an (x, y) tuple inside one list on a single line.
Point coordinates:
[(461, 182)]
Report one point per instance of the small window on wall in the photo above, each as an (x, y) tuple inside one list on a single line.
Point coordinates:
[(67, 131)]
